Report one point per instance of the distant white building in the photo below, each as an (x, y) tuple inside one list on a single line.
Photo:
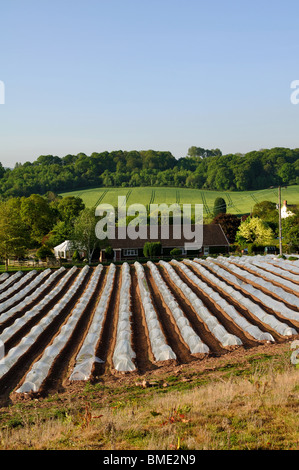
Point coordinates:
[(285, 212)]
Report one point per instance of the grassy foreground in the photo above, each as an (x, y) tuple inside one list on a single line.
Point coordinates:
[(247, 401)]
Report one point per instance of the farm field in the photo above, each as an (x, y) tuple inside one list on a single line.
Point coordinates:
[(237, 202), (60, 329)]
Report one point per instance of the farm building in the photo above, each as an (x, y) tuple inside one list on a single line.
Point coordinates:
[(214, 241), (286, 210)]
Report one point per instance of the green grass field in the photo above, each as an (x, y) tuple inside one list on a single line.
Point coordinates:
[(237, 202)]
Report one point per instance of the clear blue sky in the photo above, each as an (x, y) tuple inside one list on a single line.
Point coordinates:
[(95, 75)]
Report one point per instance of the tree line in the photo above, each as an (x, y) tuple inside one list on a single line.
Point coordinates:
[(199, 169)]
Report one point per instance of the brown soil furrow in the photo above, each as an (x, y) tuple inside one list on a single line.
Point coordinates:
[(60, 371), (27, 307), (215, 310), (18, 371), (257, 301), (107, 340), (271, 281), (169, 328), (140, 342), (198, 326)]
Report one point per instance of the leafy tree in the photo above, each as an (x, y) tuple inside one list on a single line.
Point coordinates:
[(268, 212), (84, 235), (14, 236), (229, 223), (254, 230), (290, 231), (69, 208), (37, 215), (219, 206)]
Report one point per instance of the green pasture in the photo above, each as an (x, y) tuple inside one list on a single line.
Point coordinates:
[(237, 202)]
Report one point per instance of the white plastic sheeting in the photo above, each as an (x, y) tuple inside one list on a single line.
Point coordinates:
[(9, 280), (15, 353), (212, 323), (19, 296), (281, 327), (265, 265), (87, 355), (270, 277), (160, 349), (192, 340), (284, 265), (276, 305), (249, 277), (3, 277), (18, 285), (229, 309), (123, 353), (40, 369), (29, 314)]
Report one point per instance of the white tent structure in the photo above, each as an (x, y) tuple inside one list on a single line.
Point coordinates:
[(65, 250)]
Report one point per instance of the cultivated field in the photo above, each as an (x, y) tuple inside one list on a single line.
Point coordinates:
[(65, 327), (237, 202)]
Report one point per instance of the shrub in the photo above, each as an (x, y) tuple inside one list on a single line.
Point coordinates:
[(152, 249), (176, 252), (44, 252)]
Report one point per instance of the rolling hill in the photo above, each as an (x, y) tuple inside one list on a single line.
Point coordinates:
[(237, 202)]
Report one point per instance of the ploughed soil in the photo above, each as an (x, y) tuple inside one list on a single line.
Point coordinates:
[(146, 367)]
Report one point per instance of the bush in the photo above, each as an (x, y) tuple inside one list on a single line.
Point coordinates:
[(76, 256), (152, 249), (176, 252), (44, 252)]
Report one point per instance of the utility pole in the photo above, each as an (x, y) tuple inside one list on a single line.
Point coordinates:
[(279, 213)]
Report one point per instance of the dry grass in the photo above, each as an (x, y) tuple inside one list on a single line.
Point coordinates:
[(231, 410)]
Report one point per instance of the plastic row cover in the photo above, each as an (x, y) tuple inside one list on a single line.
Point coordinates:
[(3, 277), (10, 280), (280, 292), (40, 369), (15, 287), (269, 276), (19, 296), (29, 314), (276, 270), (87, 354), (218, 330), (123, 352), (16, 352), (193, 341), (267, 300), (161, 350), (229, 309), (286, 267), (282, 328)]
